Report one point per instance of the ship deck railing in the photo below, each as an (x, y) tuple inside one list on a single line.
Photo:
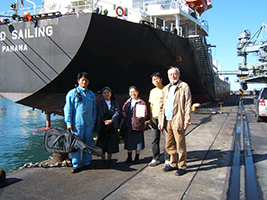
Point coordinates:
[(168, 12), (140, 12), (22, 11), (167, 5)]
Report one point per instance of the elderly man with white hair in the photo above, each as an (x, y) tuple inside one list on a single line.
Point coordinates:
[(174, 117)]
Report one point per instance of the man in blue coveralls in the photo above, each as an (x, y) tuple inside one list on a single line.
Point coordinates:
[(80, 116)]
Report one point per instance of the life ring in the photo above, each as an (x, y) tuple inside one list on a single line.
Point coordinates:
[(27, 17), (119, 11), (179, 58), (192, 5)]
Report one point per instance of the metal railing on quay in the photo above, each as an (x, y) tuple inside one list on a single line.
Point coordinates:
[(250, 181)]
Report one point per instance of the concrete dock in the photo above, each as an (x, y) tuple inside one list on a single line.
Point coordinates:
[(210, 141)]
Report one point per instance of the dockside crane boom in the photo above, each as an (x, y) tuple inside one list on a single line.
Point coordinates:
[(256, 44)]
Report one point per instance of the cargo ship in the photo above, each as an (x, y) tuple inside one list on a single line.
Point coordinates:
[(119, 43)]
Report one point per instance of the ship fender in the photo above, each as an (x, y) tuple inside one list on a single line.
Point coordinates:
[(27, 17), (119, 11)]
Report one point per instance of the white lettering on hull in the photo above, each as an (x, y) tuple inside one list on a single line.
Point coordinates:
[(14, 48), (24, 34), (2, 36), (28, 33)]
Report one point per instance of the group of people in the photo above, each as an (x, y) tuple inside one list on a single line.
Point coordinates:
[(170, 107)]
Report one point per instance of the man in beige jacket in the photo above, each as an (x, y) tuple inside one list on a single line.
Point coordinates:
[(174, 117)]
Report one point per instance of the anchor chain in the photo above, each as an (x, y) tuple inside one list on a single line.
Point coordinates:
[(48, 164)]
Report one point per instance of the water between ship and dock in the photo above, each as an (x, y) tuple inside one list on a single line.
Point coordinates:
[(19, 143)]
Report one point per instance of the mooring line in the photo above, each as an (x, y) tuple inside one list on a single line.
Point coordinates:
[(27, 63), (30, 62)]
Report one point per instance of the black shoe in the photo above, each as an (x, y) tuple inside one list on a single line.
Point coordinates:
[(103, 163), (180, 172), (168, 168), (75, 170), (110, 164), (128, 161), (136, 161), (86, 167)]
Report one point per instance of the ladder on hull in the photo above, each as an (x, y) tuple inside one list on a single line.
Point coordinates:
[(205, 64)]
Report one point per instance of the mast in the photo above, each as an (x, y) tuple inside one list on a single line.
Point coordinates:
[(15, 7)]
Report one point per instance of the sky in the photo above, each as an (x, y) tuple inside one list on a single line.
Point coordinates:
[(226, 20)]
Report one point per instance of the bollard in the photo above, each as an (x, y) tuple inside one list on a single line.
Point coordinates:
[(195, 106), (241, 92), (221, 103), (95, 140), (2, 176), (59, 157)]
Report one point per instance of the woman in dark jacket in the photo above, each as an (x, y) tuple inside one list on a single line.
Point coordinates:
[(134, 112), (108, 122)]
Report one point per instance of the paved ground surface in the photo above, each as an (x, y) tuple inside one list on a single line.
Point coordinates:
[(209, 145)]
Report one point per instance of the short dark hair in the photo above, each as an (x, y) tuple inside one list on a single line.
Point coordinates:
[(82, 74), (157, 74), (133, 88)]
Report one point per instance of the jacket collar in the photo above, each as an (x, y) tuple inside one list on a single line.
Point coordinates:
[(137, 100), (82, 89), (177, 83)]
